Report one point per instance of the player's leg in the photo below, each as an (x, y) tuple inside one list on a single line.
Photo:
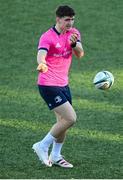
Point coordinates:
[(58, 143), (61, 138), (66, 117), (62, 107)]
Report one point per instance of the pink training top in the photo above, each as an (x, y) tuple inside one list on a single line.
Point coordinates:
[(59, 56)]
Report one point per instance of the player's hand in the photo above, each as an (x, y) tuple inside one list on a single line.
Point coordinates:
[(42, 67), (73, 38)]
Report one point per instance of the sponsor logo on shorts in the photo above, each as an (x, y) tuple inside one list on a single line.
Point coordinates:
[(58, 99)]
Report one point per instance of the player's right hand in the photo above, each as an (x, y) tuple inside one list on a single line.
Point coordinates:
[(42, 67)]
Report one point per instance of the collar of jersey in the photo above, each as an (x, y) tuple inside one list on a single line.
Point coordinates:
[(56, 30)]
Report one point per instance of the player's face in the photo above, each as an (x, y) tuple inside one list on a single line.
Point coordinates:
[(65, 23)]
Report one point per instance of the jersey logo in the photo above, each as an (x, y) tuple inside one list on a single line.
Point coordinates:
[(58, 45)]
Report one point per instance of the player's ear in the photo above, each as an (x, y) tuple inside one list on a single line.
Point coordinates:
[(58, 20)]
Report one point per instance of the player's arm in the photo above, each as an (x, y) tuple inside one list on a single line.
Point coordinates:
[(41, 59), (78, 50), (77, 46)]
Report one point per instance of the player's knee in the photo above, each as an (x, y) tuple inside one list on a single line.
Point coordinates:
[(72, 119)]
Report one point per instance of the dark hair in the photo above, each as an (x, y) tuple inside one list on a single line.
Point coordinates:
[(62, 11)]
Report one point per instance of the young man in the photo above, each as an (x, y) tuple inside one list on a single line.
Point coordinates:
[(55, 50)]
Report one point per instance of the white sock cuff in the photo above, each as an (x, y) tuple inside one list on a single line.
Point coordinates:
[(57, 143), (51, 136)]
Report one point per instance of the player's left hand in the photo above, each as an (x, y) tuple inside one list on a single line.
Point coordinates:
[(73, 38)]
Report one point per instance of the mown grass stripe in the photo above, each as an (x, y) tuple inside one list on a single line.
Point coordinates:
[(86, 133)]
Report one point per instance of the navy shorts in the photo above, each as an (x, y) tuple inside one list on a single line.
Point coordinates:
[(54, 95)]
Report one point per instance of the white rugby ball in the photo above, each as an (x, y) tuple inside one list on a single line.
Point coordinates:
[(103, 80)]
